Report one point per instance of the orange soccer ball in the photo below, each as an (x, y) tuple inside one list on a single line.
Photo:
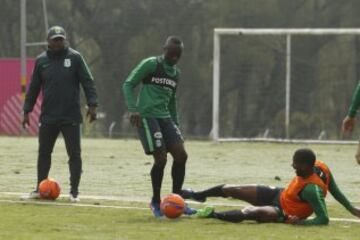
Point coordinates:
[(49, 189), (172, 206)]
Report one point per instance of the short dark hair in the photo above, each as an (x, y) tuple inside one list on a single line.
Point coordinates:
[(305, 155), (175, 40)]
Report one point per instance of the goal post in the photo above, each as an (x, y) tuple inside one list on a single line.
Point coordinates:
[(288, 34)]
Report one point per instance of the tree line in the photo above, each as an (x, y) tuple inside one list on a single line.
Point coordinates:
[(115, 35)]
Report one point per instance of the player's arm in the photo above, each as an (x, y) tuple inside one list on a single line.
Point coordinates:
[(348, 123), (341, 198), (87, 82), (141, 71), (173, 109), (355, 103), (34, 90), (314, 195)]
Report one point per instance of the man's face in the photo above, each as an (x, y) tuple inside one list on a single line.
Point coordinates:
[(301, 169), (56, 44), (172, 53)]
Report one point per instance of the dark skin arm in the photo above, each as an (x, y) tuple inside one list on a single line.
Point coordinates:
[(26, 120), (141, 71), (340, 197), (91, 114), (135, 119), (348, 123)]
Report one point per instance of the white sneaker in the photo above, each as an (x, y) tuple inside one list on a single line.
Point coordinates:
[(74, 199), (33, 195)]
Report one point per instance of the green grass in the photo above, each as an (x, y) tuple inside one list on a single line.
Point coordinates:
[(119, 168), (48, 222)]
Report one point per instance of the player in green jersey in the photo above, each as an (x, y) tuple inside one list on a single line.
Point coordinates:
[(154, 114), (349, 121)]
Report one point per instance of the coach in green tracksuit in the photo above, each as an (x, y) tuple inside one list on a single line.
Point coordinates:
[(155, 116), (348, 123), (59, 72)]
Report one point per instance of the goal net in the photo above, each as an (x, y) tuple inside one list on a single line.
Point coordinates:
[(283, 84)]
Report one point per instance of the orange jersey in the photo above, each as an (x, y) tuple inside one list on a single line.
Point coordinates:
[(290, 200)]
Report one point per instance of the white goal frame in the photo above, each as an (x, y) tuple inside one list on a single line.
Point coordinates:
[(288, 33)]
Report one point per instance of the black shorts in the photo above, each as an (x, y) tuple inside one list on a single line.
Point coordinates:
[(270, 196), (158, 134)]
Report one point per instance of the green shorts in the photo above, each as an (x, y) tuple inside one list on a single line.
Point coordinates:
[(158, 134)]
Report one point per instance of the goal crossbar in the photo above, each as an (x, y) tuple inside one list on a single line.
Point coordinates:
[(288, 33), (284, 31)]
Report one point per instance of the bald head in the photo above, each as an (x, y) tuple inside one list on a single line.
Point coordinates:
[(173, 40)]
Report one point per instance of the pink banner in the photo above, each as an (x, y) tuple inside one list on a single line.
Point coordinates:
[(10, 98)]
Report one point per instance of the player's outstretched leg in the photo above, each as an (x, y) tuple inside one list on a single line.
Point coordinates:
[(202, 195), (157, 174), (259, 214), (246, 193)]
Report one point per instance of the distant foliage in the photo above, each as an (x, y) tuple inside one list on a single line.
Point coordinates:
[(115, 35)]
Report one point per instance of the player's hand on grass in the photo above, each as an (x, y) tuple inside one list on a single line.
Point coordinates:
[(91, 113), (348, 124), (135, 119), (356, 212), (292, 220), (26, 120)]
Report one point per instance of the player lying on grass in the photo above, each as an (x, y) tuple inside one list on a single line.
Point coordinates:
[(305, 194)]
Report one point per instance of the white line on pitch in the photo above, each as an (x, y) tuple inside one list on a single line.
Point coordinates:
[(33, 202), (122, 207), (345, 220), (128, 199)]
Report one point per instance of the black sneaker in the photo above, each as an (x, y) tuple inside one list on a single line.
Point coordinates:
[(190, 194)]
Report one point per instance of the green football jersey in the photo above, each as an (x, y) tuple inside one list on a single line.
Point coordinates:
[(157, 96)]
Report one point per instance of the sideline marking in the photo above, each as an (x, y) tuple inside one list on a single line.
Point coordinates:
[(36, 202), (23, 196)]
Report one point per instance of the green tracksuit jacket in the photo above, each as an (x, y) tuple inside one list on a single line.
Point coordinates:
[(59, 76)]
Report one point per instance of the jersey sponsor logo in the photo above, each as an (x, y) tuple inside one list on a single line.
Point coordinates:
[(158, 135), (67, 62), (164, 81), (158, 143)]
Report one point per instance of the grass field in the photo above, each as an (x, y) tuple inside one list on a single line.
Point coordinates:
[(116, 175)]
